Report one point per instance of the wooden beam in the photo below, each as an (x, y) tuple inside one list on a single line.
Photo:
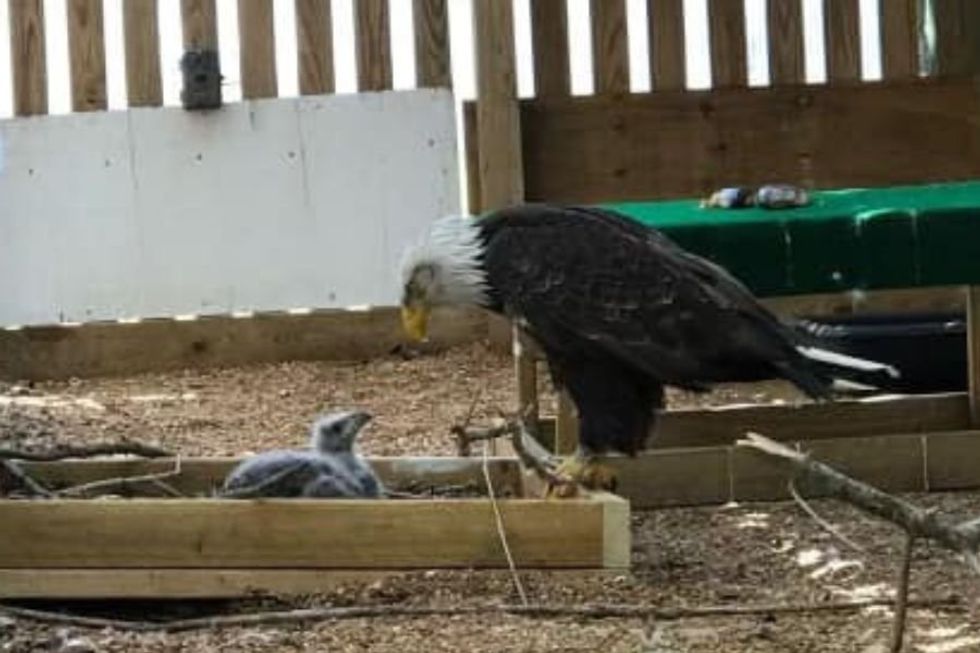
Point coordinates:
[(143, 85), (610, 50), (314, 42), (672, 144), (786, 60), (433, 60), (498, 119), (842, 29), (373, 45), (272, 534), (86, 47), (526, 373), (199, 22), (107, 348), (900, 300), (957, 29), (898, 24), (549, 42), (257, 51), (27, 57), (726, 26), (666, 42), (973, 358), (566, 425)]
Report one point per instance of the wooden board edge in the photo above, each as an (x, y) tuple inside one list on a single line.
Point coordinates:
[(616, 533)]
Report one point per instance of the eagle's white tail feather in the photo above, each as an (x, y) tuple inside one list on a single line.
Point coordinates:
[(843, 360)]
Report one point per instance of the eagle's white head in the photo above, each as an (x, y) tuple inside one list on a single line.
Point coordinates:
[(444, 268)]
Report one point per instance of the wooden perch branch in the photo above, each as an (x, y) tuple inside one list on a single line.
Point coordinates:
[(69, 451), (962, 538)]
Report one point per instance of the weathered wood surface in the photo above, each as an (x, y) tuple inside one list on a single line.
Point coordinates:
[(786, 60), (726, 30), (433, 62), (28, 57), (111, 348), (610, 51), (549, 43), (142, 40), (86, 55), (668, 64), (257, 49), (842, 29), (373, 42), (314, 42), (686, 144)]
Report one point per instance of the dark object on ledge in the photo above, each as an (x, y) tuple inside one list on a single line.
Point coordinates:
[(929, 349), (202, 80)]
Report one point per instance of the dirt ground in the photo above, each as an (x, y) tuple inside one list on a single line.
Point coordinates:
[(727, 555)]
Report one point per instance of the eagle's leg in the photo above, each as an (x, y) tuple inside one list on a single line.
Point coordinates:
[(581, 469)]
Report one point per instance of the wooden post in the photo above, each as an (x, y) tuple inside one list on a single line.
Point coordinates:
[(433, 62), (142, 35), (314, 45), (973, 342), (549, 40), (729, 63), (899, 39), (526, 369), (610, 51), (27, 57), (786, 63), (86, 48), (957, 37), (667, 56), (200, 24), (373, 45), (842, 26), (257, 51), (566, 425)]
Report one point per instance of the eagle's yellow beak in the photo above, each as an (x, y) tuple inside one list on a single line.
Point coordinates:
[(415, 320)]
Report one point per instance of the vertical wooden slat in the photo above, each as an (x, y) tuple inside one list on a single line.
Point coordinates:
[(726, 25), (27, 57), (498, 118), (433, 63), (899, 38), (549, 41), (957, 37), (667, 55), (786, 63), (842, 28), (973, 357), (86, 52), (610, 49), (257, 49), (373, 45), (142, 35), (314, 45), (200, 24)]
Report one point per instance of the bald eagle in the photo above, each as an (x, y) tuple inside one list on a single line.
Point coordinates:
[(619, 310)]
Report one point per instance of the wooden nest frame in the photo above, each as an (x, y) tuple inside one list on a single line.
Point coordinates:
[(153, 547)]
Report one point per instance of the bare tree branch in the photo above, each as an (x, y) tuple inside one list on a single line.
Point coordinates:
[(22, 477), (826, 525)]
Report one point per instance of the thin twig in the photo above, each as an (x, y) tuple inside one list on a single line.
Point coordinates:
[(108, 483), (463, 439), (587, 611), (24, 478), (902, 596), (91, 451), (501, 532), (826, 525)]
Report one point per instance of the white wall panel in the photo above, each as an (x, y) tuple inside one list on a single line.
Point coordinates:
[(267, 205)]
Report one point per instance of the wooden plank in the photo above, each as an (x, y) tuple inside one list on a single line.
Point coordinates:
[(898, 24), (526, 373), (786, 60), (676, 477), (610, 49), (257, 51), (957, 30), (471, 138), (673, 144), (893, 463), (108, 348), (433, 61), (142, 34), (935, 299), (199, 23), (201, 476), (842, 31), (373, 45), (726, 26), (951, 460), (363, 534), (973, 353), (668, 64), (616, 534), (86, 48), (498, 118), (314, 43), (755, 478), (549, 42), (27, 57), (566, 425)]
